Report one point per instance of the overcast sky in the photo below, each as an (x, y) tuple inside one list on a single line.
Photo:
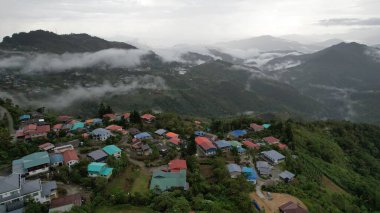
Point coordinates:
[(170, 22)]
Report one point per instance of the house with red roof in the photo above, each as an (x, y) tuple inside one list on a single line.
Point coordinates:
[(57, 127), (64, 118), (126, 116), (271, 140), (70, 157), (282, 146), (177, 165), (251, 145), (291, 207), (205, 146), (148, 118), (115, 128), (255, 127), (39, 132), (110, 116), (174, 141), (29, 128)]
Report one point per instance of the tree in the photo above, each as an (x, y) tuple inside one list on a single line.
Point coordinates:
[(135, 117), (101, 110)]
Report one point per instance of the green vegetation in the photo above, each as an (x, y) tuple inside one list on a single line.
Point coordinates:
[(123, 209)]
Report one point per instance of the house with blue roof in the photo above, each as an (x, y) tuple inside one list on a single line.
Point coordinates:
[(234, 170), (33, 164), (250, 174), (223, 145), (101, 134), (199, 133), (97, 121), (112, 150), (56, 159), (96, 169), (77, 125), (241, 150), (143, 136), (237, 133), (160, 132), (24, 117)]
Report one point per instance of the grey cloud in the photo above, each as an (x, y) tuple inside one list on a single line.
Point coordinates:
[(113, 58), (350, 22)]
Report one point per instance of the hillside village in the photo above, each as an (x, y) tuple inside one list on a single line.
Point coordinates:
[(94, 142)]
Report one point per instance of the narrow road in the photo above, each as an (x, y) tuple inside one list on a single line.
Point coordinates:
[(11, 129)]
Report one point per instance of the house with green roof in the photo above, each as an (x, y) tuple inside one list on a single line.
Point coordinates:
[(77, 125), (112, 150), (235, 144), (167, 180), (33, 164), (96, 169)]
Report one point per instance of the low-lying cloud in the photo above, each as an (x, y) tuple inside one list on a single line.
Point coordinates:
[(67, 97), (112, 58), (350, 22)]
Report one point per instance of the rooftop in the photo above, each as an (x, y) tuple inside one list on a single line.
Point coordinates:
[(111, 149)]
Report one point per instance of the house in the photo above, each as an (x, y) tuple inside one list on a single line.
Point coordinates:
[(46, 146), (73, 143), (234, 170), (286, 176), (282, 146), (237, 133), (96, 169), (98, 155), (109, 116), (14, 190), (143, 136), (56, 159), (223, 145), (266, 126), (264, 168), (101, 134), (112, 150), (24, 117), (235, 144), (67, 127), (160, 132), (271, 140), (162, 148), (148, 118), (211, 137), (250, 174), (255, 127), (70, 157), (64, 118), (115, 128), (49, 190), (145, 150), (32, 164), (205, 146), (66, 203), (94, 121), (60, 148), (177, 165), (174, 141), (57, 127), (241, 150), (133, 131), (166, 180), (85, 135), (250, 145), (171, 135), (291, 207), (273, 156), (199, 133), (127, 116), (77, 126), (33, 131)]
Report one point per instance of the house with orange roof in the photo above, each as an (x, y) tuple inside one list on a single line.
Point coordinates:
[(256, 127), (57, 127), (177, 165), (115, 128), (110, 116), (171, 135), (271, 140)]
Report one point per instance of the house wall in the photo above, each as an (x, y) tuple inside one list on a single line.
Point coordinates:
[(72, 162), (32, 171)]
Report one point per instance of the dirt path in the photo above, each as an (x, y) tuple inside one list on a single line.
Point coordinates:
[(271, 206)]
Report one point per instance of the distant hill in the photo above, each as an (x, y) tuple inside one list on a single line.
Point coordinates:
[(344, 77), (44, 41), (268, 43)]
